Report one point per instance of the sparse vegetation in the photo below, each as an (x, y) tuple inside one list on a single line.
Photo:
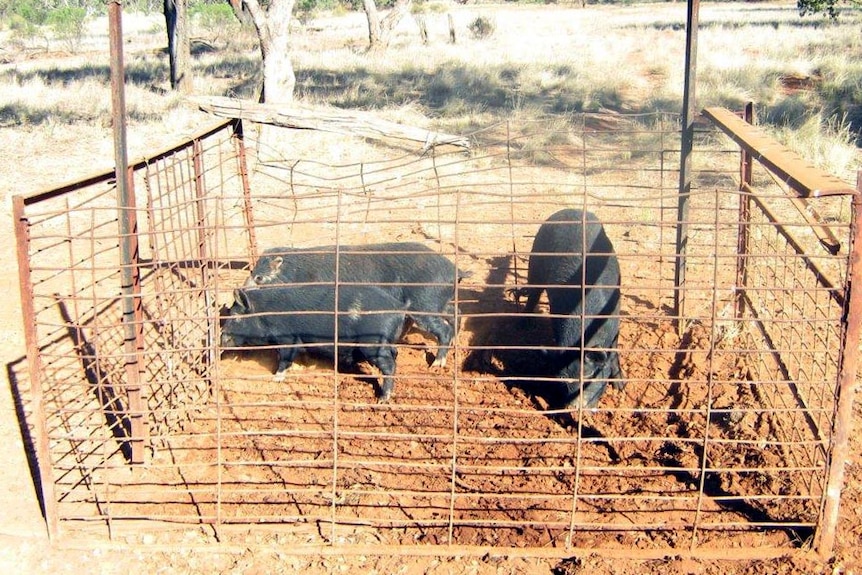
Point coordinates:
[(482, 27), (67, 24), (216, 22), (545, 61)]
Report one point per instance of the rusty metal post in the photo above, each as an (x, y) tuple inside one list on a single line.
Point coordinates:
[(745, 181), (843, 421), (34, 369), (686, 147), (128, 235), (200, 209), (242, 168)]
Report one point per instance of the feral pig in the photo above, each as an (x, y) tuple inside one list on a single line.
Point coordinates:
[(423, 280), (299, 318), (578, 290)]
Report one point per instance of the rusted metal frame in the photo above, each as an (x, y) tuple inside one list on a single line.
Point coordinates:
[(172, 150), (153, 234), (454, 348), (128, 238), (110, 405), (849, 358), (576, 484), (686, 150), (137, 404), (662, 196), (512, 196), (823, 232), (203, 254), (242, 170), (820, 437), (821, 278), (743, 238), (38, 197), (336, 378), (704, 466), (800, 398), (87, 181), (779, 363), (718, 526), (318, 550), (804, 179), (34, 368)]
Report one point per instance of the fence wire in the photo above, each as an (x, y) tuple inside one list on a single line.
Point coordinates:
[(723, 428)]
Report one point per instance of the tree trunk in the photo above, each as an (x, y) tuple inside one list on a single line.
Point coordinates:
[(451, 28), (423, 27), (179, 46), (380, 29), (273, 32), (392, 18), (373, 23), (361, 124)]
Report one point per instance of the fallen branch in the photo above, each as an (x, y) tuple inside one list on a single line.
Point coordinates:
[(339, 121)]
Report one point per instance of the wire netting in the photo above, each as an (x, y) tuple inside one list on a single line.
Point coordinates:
[(723, 427)]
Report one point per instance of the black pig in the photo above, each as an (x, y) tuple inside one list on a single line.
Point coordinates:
[(300, 317), (423, 280), (563, 242)]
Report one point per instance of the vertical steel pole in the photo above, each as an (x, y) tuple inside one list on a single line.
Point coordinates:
[(128, 232), (687, 144), (200, 208), (842, 425), (242, 167), (743, 239)]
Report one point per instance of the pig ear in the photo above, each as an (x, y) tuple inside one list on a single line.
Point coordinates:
[(240, 298), (275, 264)]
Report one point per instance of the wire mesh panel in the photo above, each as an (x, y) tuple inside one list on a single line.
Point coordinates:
[(717, 424), (71, 281)]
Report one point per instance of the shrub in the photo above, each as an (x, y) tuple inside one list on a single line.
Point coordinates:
[(481, 27), (214, 20), (67, 24)]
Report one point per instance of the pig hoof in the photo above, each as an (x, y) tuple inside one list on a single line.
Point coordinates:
[(574, 403), (279, 377), (384, 398), (438, 362)]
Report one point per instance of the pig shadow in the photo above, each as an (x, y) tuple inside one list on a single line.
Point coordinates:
[(16, 371), (508, 344)]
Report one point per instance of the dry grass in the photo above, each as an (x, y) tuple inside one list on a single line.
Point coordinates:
[(541, 61)]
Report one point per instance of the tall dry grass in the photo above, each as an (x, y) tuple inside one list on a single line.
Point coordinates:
[(804, 74)]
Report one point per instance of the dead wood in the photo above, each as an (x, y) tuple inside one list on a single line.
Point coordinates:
[(340, 121)]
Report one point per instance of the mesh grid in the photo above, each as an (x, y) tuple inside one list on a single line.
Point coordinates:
[(724, 426)]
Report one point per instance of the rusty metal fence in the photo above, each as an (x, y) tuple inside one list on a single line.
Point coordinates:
[(727, 427)]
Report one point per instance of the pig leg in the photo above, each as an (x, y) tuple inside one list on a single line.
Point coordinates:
[(383, 357), (441, 330), (533, 295), (592, 392), (286, 355)]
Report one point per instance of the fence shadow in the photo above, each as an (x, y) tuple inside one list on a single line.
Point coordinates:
[(111, 403), (16, 373)]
